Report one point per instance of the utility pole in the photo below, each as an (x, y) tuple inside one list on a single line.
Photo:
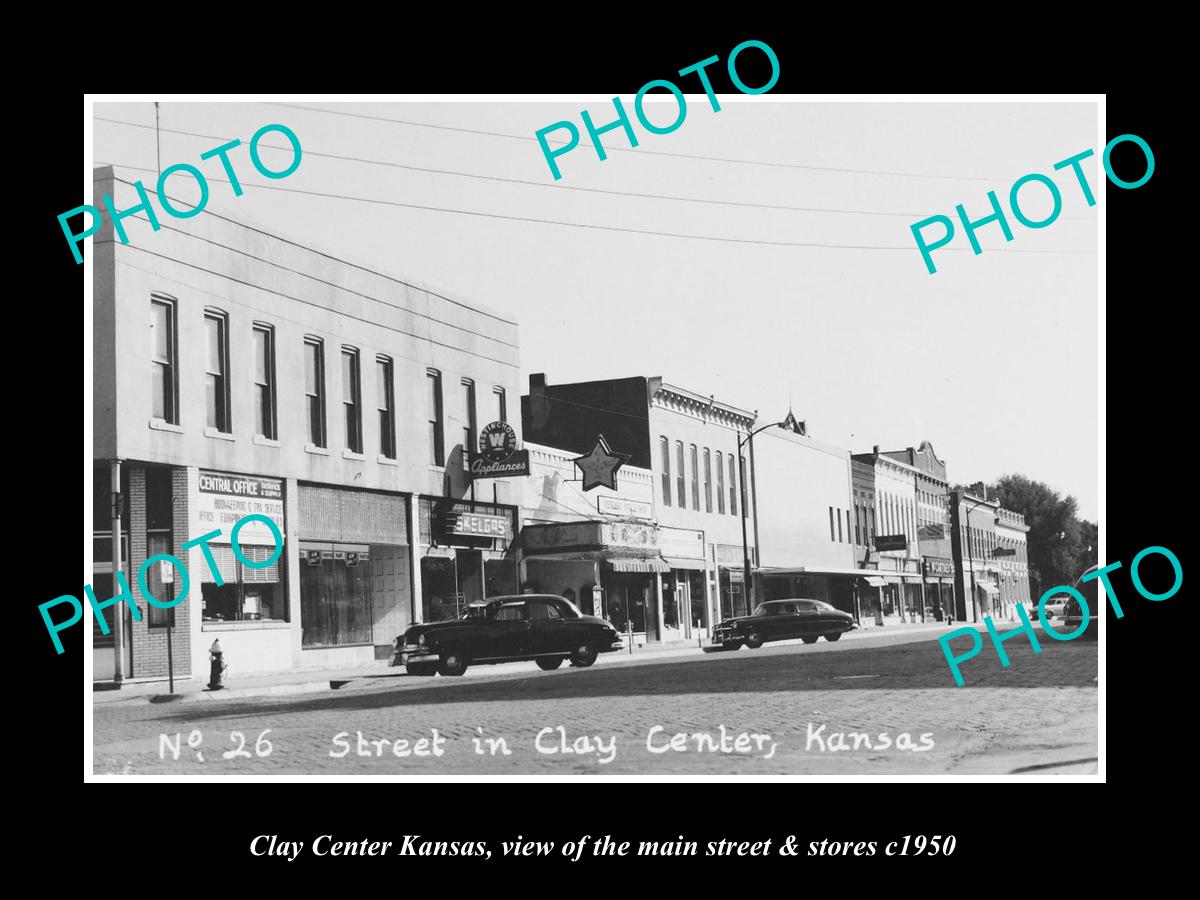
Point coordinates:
[(118, 609)]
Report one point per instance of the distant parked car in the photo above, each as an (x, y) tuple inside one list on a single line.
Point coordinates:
[(1055, 608), (541, 627), (779, 620)]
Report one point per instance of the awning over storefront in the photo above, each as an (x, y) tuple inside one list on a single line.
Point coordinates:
[(891, 579), (874, 581), (638, 565), (989, 588), (815, 570), (676, 562)]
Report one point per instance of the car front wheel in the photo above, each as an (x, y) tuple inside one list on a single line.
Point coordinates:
[(754, 640), (453, 662), (584, 655), (810, 639), (833, 636), (549, 665)]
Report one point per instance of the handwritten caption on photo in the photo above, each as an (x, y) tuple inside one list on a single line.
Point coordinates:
[(556, 741), (270, 845), (1026, 627)]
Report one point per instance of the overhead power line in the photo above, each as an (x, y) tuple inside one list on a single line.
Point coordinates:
[(588, 225), (644, 152), (556, 186)]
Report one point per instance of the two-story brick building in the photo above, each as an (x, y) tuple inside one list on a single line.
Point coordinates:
[(239, 372)]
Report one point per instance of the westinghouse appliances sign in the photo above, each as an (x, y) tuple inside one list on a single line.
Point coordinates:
[(498, 456)]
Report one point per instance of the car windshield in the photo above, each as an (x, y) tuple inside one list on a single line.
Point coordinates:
[(488, 610)]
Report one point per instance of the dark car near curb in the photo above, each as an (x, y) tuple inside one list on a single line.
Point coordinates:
[(544, 628), (781, 620)]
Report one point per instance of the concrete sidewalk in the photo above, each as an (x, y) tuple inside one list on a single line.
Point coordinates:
[(324, 680)]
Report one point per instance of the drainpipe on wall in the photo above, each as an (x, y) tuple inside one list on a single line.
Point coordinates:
[(118, 609)]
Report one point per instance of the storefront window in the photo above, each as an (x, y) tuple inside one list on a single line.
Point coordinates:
[(248, 595), (699, 610), (500, 576), (440, 598), (335, 599), (673, 589)]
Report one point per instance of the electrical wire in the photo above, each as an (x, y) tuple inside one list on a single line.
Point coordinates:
[(322, 280), (822, 245), (562, 187), (371, 322), (642, 151)]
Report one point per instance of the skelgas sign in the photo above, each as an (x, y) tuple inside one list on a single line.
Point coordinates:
[(498, 456)]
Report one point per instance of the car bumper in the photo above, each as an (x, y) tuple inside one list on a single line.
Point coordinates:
[(617, 644), (418, 655)]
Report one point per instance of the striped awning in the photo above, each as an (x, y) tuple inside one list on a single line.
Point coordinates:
[(874, 581), (679, 562), (638, 565)]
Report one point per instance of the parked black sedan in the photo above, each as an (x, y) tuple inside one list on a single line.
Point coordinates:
[(779, 620), (541, 627)]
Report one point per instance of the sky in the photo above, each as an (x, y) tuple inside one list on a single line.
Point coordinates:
[(992, 359)]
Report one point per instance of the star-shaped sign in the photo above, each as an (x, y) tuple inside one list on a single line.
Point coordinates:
[(599, 467)]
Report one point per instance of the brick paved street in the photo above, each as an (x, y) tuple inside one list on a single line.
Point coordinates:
[(1042, 710)]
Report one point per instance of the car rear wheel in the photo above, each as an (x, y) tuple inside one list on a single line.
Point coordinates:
[(421, 668), (453, 662), (833, 636), (584, 655), (810, 639), (732, 645), (550, 665), (754, 640)]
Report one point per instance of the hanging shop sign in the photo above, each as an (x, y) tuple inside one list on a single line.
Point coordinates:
[(498, 456), (938, 566), (629, 509), (599, 466), (470, 524), (885, 542)]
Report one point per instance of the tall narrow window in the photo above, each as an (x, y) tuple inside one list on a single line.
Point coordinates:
[(468, 420), (695, 478), (385, 403), (680, 476), (314, 390), (857, 524), (664, 447), (433, 402), (745, 487), (720, 482), (707, 480), (847, 526), (501, 399), (164, 404), (732, 487), (216, 367), (264, 381), (839, 524), (352, 399), (832, 533)]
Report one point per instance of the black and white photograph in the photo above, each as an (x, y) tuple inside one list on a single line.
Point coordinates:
[(707, 433)]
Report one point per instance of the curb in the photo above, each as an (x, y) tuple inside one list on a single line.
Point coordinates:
[(271, 690)]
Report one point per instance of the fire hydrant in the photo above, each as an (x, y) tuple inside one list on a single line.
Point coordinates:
[(216, 672)]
